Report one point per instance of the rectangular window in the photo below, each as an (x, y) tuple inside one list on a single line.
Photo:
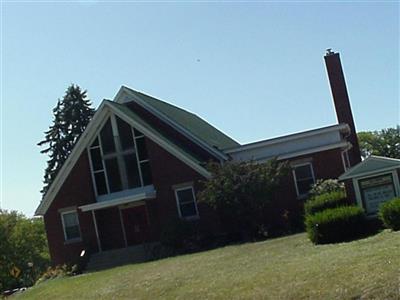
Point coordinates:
[(141, 148), (303, 177), (113, 175), (186, 202), (345, 160), (101, 185), (107, 138), (132, 170), (146, 172), (97, 162), (125, 135), (71, 225)]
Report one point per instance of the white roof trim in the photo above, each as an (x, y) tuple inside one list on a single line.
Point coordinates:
[(340, 127), (87, 135), (119, 201), (343, 145), (119, 98), (347, 174)]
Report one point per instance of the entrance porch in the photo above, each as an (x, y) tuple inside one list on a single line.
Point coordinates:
[(123, 222)]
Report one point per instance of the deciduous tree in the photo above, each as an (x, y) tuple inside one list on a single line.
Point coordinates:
[(385, 142)]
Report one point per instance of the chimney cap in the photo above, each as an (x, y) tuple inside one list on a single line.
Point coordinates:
[(329, 52)]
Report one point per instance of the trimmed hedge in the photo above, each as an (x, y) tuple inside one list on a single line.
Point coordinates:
[(389, 213), (336, 224), (325, 201)]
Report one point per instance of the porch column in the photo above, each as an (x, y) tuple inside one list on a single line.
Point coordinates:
[(96, 230), (123, 227)]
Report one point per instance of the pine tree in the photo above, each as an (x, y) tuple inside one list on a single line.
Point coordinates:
[(71, 116), (77, 113)]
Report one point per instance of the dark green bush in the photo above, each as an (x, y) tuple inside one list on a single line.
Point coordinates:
[(178, 234), (336, 224), (325, 201), (389, 213)]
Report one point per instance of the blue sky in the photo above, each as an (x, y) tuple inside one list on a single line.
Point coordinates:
[(255, 70)]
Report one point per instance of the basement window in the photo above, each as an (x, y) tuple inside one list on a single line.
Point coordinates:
[(70, 224), (186, 202), (303, 175)]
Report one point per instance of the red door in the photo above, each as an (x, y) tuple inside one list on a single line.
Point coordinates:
[(136, 224)]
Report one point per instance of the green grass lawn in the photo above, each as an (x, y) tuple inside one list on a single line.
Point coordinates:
[(283, 268)]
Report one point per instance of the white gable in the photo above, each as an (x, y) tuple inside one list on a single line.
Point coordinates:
[(372, 164)]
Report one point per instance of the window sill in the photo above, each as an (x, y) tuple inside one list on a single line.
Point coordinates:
[(73, 241), (302, 197), (191, 218)]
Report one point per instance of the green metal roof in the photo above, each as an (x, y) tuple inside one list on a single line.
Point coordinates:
[(372, 164), (191, 122)]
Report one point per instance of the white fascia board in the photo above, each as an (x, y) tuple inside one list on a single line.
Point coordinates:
[(93, 126), (301, 135), (383, 158), (369, 173), (119, 201), (119, 98), (342, 145), (62, 175), (349, 172)]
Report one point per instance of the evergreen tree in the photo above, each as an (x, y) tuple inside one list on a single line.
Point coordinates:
[(71, 116), (77, 114)]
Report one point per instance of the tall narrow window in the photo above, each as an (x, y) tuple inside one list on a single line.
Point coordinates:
[(119, 158), (98, 168), (186, 202), (345, 159), (71, 225), (304, 177)]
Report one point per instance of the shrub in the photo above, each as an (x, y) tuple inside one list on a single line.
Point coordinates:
[(336, 224), (325, 201), (58, 272), (240, 192), (323, 186), (389, 213), (178, 234)]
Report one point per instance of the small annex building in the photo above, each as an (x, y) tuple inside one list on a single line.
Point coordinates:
[(372, 182), (141, 162)]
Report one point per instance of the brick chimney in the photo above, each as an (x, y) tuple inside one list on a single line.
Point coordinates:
[(341, 101)]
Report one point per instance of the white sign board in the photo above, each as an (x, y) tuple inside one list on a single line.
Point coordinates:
[(376, 191)]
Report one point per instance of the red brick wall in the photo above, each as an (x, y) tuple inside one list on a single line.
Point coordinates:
[(167, 170), (351, 194), (77, 190), (326, 164)]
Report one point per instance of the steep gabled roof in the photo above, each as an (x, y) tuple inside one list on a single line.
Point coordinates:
[(91, 130), (371, 165), (184, 121)]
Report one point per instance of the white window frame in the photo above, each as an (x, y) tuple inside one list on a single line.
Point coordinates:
[(345, 160), (182, 188), (294, 166), (78, 239)]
